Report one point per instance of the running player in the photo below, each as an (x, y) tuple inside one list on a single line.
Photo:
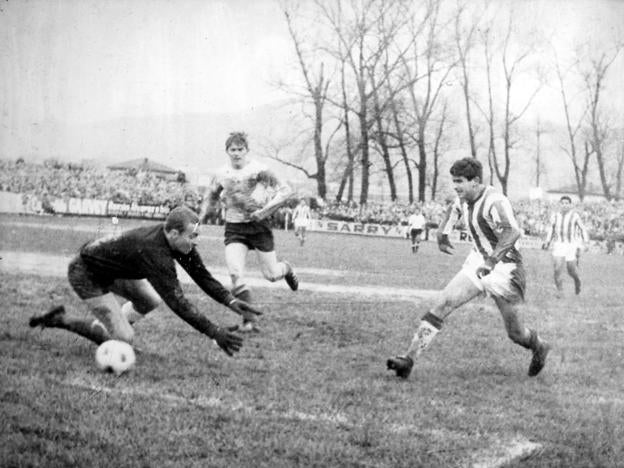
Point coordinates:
[(250, 193), (139, 265), (494, 266), (301, 219), (568, 236), (415, 226)]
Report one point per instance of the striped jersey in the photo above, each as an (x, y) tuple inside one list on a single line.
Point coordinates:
[(302, 212), (485, 218), (567, 227)]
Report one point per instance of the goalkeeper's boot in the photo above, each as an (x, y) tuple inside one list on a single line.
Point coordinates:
[(540, 352), (52, 318), (291, 277), (401, 365)]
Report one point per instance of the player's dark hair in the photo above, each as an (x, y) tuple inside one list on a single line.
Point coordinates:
[(179, 218), (237, 138), (565, 197), (468, 168)]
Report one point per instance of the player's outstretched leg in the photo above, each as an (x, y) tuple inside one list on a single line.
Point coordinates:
[(51, 319), (401, 365), (91, 329), (540, 350), (291, 277)]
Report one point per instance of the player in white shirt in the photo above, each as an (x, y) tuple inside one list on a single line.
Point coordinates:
[(250, 193), (493, 267), (302, 217), (568, 236), (415, 227)]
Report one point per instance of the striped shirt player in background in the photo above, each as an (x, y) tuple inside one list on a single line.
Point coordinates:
[(301, 219), (568, 236), (494, 267), (250, 193)]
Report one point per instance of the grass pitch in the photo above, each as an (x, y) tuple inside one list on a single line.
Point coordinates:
[(311, 389)]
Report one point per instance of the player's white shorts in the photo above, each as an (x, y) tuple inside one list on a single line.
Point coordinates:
[(506, 280), (302, 223), (566, 250)]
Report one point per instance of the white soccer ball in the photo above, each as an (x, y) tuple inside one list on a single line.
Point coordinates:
[(115, 356)]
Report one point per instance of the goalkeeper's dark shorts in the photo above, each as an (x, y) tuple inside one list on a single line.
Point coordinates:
[(256, 235)]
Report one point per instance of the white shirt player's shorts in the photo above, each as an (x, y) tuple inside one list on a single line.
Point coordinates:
[(302, 223), (566, 250), (506, 280)]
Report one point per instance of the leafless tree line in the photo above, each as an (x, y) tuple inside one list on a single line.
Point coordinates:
[(394, 86)]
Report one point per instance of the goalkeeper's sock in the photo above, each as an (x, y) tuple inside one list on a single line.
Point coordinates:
[(92, 330), (429, 327)]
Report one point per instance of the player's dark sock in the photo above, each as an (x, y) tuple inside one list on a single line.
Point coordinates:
[(291, 277), (52, 318), (89, 329), (577, 286), (540, 351)]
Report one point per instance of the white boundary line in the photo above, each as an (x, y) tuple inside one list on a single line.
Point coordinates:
[(56, 265), (502, 452)]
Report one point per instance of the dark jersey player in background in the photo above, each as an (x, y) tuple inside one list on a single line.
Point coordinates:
[(139, 265)]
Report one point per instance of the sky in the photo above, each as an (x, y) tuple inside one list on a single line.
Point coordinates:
[(66, 64)]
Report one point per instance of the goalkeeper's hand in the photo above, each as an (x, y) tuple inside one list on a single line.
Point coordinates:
[(227, 340), (444, 244), (244, 309)]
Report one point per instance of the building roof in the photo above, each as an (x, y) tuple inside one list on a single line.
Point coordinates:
[(143, 164)]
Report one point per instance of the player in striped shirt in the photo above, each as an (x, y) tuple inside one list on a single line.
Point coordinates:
[(568, 236), (493, 267), (301, 219)]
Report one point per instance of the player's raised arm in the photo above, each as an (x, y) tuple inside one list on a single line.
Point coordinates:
[(452, 215)]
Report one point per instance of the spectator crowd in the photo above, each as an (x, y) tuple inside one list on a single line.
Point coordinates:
[(605, 220)]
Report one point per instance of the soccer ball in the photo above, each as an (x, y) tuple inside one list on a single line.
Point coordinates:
[(115, 356)]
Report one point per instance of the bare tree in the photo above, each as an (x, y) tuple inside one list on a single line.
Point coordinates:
[(364, 29), (594, 78), (579, 164), (316, 87), (438, 148), (429, 68), (464, 43), (511, 62)]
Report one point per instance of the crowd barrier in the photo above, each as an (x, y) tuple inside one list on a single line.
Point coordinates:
[(394, 231), (31, 204)]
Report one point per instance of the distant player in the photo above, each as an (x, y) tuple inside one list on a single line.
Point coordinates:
[(250, 193), (302, 217), (415, 227), (139, 265), (568, 236), (494, 266)]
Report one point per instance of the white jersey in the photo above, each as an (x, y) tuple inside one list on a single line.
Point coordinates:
[(416, 221), (484, 219), (240, 189)]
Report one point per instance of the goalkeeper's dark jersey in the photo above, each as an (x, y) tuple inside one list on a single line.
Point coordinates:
[(144, 253)]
